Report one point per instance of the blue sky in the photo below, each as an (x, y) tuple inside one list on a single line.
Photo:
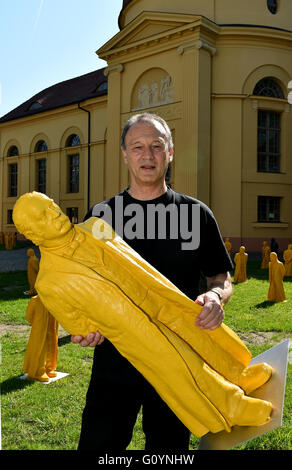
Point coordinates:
[(43, 42)]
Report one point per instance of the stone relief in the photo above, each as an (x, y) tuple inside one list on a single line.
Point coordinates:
[(155, 93)]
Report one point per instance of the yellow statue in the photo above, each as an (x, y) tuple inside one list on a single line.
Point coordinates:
[(8, 241), (266, 250), (32, 271), (276, 291), (91, 280), (228, 245), (287, 256), (41, 356), (240, 260)]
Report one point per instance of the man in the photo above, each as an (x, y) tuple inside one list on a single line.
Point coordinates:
[(117, 390)]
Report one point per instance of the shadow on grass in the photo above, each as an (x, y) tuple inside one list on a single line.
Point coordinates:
[(64, 340), (14, 294), (14, 383), (265, 304)]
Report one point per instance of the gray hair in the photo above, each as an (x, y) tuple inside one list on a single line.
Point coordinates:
[(148, 118)]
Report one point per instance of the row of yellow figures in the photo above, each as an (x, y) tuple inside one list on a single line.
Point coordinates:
[(277, 270), (8, 239), (287, 257)]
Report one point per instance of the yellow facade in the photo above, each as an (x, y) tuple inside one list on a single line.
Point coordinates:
[(195, 63)]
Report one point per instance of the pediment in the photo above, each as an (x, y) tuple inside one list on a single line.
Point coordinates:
[(146, 26)]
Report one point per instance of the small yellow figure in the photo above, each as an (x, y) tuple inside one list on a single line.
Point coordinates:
[(228, 245), (266, 250), (32, 271), (1, 238), (41, 356), (276, 291), (8, 241), (287, 256), (240, 260), (90, 279)]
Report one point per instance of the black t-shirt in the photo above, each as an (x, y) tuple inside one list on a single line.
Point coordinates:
[(175, 233)]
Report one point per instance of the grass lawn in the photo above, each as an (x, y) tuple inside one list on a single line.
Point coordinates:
[(38, 417)]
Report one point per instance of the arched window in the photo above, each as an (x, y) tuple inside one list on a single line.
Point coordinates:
[(41, 146), (269, 141), (73, 140), (272, 6), (268, 87), (12, 151), (269, 127)]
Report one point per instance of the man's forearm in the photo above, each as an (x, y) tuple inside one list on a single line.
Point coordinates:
[(222, 283)]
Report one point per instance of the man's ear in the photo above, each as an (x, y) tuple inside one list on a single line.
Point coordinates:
[(124, 155), (171, 154)]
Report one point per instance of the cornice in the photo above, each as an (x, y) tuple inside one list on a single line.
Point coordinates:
[(229, 33), (109, 50), (210, 36)]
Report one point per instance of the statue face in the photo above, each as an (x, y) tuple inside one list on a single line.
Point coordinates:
[(41, 219), (273, 257), (49, 219)]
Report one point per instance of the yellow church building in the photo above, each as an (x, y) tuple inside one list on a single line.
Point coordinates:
[(216, 70)]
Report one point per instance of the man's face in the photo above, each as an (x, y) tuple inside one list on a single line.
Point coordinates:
[(147, 154)]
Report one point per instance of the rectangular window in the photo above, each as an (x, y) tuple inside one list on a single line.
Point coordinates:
[(12, 179), (41, 175), (268, 209), (9, 216), (72, 213), (73, 174), (269, 141)]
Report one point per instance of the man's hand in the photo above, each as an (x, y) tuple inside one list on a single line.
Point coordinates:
[(92, 339), (212, 313)]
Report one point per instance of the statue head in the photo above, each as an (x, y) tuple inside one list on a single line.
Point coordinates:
[(30, 252), (242, 249), (273, 257), (40, 220)]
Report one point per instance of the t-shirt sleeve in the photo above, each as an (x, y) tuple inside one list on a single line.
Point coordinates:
[(214, 258)]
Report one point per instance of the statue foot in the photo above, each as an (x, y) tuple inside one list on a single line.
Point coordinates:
[(40, 378), (51, 373), (255, 376)]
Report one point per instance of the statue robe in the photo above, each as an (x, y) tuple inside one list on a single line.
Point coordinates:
[(276, 292), (240, 260), (287, 255), (97, 283)]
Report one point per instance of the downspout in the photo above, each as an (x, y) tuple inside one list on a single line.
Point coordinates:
[(88, 154)]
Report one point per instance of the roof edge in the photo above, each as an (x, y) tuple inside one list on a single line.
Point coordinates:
[(40, 111)]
